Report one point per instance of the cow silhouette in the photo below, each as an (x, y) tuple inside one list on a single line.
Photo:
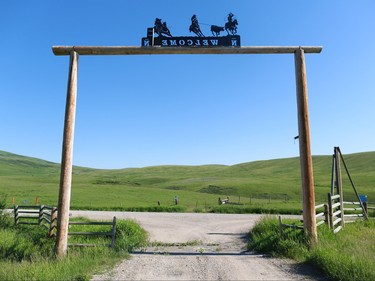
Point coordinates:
[(216, 30)]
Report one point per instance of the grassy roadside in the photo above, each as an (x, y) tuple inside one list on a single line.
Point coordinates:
[(27, 254), (346, 256)]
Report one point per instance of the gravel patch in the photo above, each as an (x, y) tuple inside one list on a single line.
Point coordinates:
[(191, 246)]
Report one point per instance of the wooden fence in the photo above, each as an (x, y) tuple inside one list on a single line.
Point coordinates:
[(111, 233), (321, 214), (36, 215), (341, 212), (335, 212), (354, 212), (321, 217), (47, 217)]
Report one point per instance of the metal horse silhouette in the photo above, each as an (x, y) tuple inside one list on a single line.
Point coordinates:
[(231, 25), (194, 27), (161, 28)]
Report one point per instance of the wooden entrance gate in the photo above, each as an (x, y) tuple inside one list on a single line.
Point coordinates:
[(302, 106)]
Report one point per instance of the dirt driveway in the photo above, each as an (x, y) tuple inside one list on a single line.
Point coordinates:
[(194, 246)]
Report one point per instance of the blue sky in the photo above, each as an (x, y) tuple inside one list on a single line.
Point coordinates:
[(136, 111)]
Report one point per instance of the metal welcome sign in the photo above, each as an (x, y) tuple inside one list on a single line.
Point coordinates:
[(165, 38)]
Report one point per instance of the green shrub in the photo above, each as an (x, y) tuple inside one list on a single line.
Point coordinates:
[(264, 236), (198, 210), (26, 253), (5, 219), (159, 209), (347, 255), (129, 235), (246, 209)]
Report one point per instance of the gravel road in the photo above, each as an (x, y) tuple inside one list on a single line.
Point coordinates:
[(198, 247)]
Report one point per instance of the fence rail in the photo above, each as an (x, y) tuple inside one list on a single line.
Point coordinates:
[(340, 213), (111, 233), (283, 226), (333, 214), (355, 208), (321, 215), (47, 216)]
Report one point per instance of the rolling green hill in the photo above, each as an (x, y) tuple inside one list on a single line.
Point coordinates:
[(271, 182)]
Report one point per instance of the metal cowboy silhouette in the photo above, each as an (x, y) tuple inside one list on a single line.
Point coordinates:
[(195, 26), (161, 28), (231, 25)]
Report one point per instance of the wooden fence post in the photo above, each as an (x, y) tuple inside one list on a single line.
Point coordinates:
[(15, 207), (365, 215), (113, 232), (330, 211), (67, 159), (339, 183), (40, 216), (326, 215), (281, 228), (308, 193), (365, 207)]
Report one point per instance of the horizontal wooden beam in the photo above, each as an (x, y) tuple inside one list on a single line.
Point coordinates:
[(133, 50)]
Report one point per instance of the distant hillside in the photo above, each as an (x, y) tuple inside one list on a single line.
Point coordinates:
[(24, 176), (13, 164)]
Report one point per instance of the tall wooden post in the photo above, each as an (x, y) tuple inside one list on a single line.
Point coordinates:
[(67, 159), (339, 184), (308, 194)]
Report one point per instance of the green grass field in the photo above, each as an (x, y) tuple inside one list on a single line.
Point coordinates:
[(27, 254), (261, 185), (345, 256)]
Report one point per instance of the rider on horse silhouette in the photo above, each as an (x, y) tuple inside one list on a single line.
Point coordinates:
[(231, 25), (195, 26), (161, 28)]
